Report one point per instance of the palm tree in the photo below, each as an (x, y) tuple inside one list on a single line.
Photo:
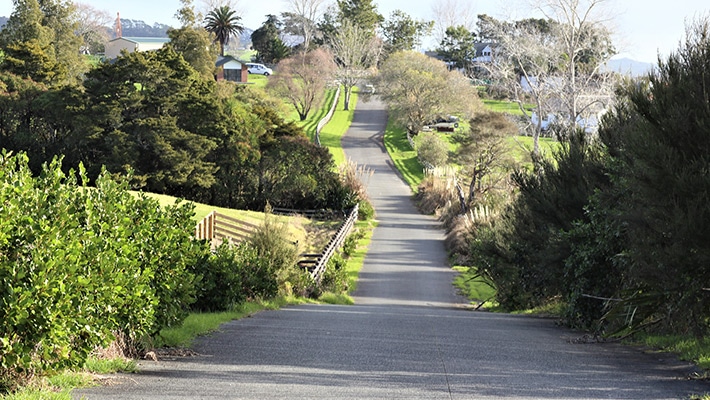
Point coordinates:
[(224, 23)]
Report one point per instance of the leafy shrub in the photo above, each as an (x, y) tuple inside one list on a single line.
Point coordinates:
[(221, 285), (365, 211), (274, 259), (432, 149), (335, 277), (79, 263)]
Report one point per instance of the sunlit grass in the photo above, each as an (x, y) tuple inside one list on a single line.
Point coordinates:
[(310, 124), (338, 125), (403, 156), (357, 258), (475, 288), (505, 106), (197, 324)]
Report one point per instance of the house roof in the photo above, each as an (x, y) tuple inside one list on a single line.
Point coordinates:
[(221, 60), (135, 39)]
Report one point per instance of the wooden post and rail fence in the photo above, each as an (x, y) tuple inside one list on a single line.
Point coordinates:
[(217, 227)]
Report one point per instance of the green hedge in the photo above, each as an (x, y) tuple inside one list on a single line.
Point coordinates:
[(78, 264)]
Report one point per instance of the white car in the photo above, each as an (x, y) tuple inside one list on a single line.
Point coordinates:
[(259, 69)]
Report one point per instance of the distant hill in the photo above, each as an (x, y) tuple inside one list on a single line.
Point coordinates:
[(3, 21), (627, 66), (137, 28)]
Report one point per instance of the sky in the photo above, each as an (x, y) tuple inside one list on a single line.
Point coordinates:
[(644, 29)]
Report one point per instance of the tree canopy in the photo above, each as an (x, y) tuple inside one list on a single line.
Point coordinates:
[(225, 24)]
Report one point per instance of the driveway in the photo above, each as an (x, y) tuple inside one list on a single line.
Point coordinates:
[(409, 336)]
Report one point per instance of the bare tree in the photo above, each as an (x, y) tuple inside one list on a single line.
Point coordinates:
[(356, 51), (92, 26), (554, 63), (525, 64), (303, 15), (302, 79), (448, 13), (585, 42)]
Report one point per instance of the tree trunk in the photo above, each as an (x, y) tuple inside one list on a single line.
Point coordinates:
[(462, 198)]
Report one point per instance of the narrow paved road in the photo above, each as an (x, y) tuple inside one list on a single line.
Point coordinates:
[(407, 337)]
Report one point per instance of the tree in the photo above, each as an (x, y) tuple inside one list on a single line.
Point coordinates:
[(193, 42), (224, 23), (44, 31), (459, 47), (660, 140), (301, 19), (355, 51), (484, 154), (535, 62), (91, 26), (585, 45), (402, 33), (525, 66), (134, 120), (418, 88), (267, 42), (302, 79), (448, 13), (361, 13)]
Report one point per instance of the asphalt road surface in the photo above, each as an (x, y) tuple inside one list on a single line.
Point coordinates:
[(408, 336)]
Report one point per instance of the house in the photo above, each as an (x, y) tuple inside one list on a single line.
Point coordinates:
[(484, 53), (131, 44), (231, 69)]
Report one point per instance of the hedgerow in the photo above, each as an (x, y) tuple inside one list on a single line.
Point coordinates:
[(78, 264)]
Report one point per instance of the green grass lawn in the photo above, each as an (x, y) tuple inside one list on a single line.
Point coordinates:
[(334, 130), (403, 156), (505, 106), (310, 124), (259, 81)]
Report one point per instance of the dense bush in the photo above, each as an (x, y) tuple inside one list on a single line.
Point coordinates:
[(431, 149), (180, 133), (77, 264), (276, 260), (617, 226)]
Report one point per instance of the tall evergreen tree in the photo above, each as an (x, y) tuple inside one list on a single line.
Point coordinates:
[(661, 142), (193, 42), (267, 42), (362, 13), (43, 31)]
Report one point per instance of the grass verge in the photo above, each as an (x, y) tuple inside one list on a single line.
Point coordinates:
[(197, 324), (688, 348), (310, 124), (338, 125), (475, 288), (403, 156)]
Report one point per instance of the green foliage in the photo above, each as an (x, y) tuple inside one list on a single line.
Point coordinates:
[(660, 141), (275, 261), (458, 46), (524, 253), (431, 149), (335, 275), (366, 211), (40, 42), (616, 230), (402, 33), (77, 264), (267, 42), (193, 43), (224, 24), (231, 275)]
